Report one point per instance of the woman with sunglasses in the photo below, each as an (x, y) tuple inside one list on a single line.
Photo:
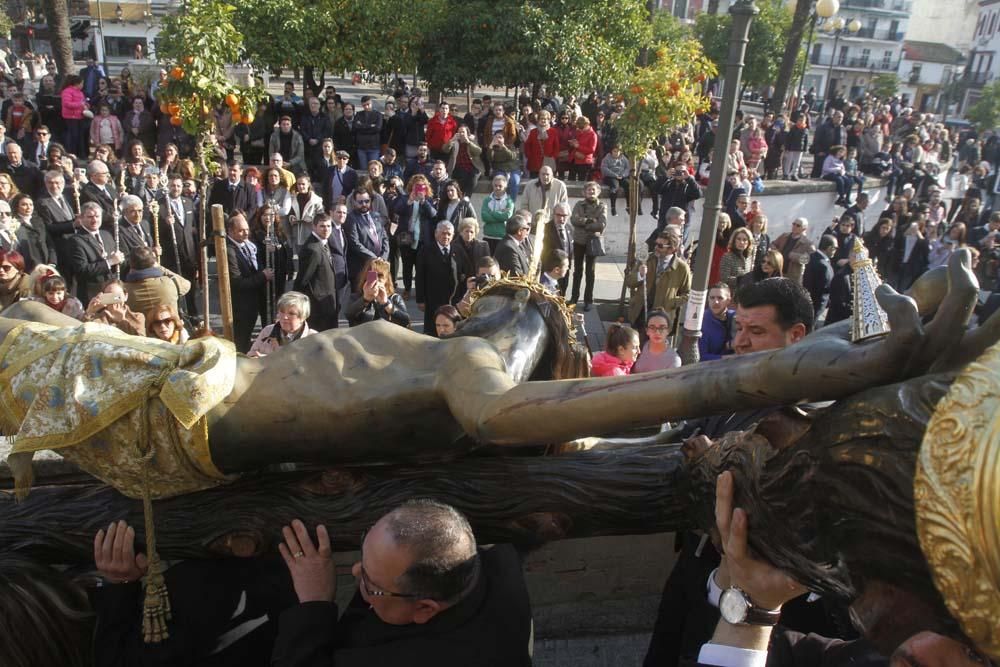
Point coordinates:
[(14, 282), (163, 323)]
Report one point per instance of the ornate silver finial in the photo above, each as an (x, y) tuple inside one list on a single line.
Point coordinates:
[(869, 318)]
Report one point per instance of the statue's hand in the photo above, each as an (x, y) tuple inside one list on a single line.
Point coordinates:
[(911, 347)]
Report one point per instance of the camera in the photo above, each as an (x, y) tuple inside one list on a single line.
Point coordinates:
[(483, 280)]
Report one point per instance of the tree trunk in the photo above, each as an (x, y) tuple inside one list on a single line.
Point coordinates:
[(634, 198), (57, 15), (521, 499), (793, 44), (309, 79), (713, 7)]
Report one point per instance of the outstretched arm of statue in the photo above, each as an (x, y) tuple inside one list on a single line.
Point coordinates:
[(825, 365)]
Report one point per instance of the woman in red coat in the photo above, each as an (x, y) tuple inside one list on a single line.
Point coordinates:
[(542, 145), (582, 149)]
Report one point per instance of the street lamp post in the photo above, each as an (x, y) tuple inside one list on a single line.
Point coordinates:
[(837, 28), (824, 10), (742, 12), (100, 28)]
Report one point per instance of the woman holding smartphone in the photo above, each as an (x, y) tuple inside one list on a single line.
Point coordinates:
[(415, 215), (109, 307), (375, 298)]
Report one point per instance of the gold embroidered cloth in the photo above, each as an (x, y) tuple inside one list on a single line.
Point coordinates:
[(81, 390)]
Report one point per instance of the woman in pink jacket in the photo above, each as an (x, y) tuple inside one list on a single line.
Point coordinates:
[(74, 103), (583, 148)]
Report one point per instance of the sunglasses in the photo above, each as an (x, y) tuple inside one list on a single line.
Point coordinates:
[(6, 267), (162, 323), (660, 329)]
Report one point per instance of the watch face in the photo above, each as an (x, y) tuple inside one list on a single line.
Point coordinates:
[(733, 606)]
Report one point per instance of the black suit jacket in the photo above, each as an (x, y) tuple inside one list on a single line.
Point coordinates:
[(467, 259), (360, 245), (349, 181), (131, 237), (183, 258), (27, 177), (338, 250), (59, 225), (317, 280), (241, 198), (89, 267), (560, 238), (437, 278), (106, 200), (35, 244), (512, 257), (245, 282)]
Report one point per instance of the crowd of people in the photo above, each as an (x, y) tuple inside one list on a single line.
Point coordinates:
[(335, 213)]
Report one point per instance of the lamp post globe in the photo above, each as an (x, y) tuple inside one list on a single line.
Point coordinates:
[(854, 26), (827, 8)]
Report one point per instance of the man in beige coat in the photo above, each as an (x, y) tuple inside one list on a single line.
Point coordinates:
[(795, 249), (665, 276), (545, 192), (149, 285)]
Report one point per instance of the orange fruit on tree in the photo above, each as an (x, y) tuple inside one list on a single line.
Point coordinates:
[(237, 117), (164, 108), (248, 118), (664, 118), (232, 101), (173, 108), (177, 73), (643, 101), (175, 121), (188, 60)]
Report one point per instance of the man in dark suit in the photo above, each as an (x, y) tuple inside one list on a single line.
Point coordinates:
[(8, 238), (511, 253), (133, 230), (338, 254), (179, 239), (56, 213), (316, 278), (247, 280), (36, 146), (100, 190), (437, 274), (26, 175), (818, 273), (559, 236), (233, 193), (366, 237), (92, 254), (341, 180)]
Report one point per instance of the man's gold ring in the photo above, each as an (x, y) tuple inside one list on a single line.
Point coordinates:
[(299, 554)]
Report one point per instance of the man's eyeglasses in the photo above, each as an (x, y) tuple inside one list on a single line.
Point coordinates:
[(376, 593)]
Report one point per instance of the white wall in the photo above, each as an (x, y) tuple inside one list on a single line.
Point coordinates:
[(780, 209)]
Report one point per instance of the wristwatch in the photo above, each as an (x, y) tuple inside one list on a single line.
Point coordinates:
[(737, 609)]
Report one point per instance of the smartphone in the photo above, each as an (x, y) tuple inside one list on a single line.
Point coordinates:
[(421, 189), (371, 277), (107, 299)]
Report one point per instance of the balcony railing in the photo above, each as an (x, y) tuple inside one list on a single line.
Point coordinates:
[(884, 35), (853, 63), (978, 78), (888, 5)]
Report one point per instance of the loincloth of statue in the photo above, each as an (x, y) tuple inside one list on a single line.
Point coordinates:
[(129, 410)]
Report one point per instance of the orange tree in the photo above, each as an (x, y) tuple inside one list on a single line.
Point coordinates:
[(666, 93), (196, 45)]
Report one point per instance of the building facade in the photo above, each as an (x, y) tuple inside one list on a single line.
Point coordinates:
[(927, 74), (849, 61), (983, 63)]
